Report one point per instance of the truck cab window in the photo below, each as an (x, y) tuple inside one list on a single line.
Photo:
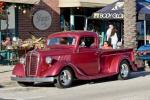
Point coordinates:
[(61, 41), (86, 41)]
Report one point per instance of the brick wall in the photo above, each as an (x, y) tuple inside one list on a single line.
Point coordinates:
[(25, 25)]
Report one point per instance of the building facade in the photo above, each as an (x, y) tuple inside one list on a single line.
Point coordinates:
[(43, 17), (23, 19)]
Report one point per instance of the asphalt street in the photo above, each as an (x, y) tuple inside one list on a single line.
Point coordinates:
[(135, 88)]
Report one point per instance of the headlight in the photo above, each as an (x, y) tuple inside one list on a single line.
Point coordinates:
[(48, 60), (22, 60)]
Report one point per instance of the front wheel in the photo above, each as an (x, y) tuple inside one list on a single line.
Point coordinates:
[(124, 70), (64, 79)]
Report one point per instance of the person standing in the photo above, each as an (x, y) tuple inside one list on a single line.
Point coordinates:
[(114, 38), (108, 32)]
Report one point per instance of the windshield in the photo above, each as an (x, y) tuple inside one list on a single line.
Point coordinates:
[(61, 41)]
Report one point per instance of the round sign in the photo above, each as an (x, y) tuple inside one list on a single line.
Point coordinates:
[(42, 19)]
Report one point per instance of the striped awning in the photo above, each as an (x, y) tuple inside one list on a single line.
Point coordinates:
[(22, 1)]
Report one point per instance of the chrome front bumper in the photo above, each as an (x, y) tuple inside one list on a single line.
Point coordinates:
[(32, 79)]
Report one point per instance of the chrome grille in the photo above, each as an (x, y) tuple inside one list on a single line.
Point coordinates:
[(31, 65)]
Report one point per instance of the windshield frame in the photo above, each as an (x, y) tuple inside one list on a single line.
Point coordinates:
[(60, 45)]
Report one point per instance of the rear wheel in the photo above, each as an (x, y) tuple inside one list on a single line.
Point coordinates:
[(124, 70), (64, 79), (26, 84)]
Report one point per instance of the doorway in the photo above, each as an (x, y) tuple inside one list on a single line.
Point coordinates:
[(79, 22)]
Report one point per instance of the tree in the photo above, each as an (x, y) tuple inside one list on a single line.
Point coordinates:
[(130, 33)]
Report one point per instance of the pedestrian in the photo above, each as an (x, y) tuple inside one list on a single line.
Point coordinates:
[(108, 32), (114, 38), (7, 43)]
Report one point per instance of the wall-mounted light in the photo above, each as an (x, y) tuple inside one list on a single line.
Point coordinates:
[(19, 7), (24, 11)]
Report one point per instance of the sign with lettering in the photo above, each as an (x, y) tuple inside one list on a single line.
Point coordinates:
[(42, 19), (108, 15)]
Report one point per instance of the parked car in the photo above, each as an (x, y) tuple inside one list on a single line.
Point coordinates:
[(143, 53), (73, 55)]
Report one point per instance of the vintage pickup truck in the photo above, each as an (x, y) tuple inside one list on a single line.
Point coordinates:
[(73, 55)]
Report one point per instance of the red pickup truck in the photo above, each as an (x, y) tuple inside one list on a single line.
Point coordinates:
[(73, 55)]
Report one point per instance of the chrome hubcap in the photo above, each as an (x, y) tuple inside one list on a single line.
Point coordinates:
[(65, 77), (124, 70)]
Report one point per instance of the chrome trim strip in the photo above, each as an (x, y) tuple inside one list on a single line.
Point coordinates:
[(31, 79), (29, 67), (38, 62)]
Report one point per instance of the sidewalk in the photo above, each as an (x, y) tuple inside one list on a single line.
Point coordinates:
[(6, 68), (5, 74)]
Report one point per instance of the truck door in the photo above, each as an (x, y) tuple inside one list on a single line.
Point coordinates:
[(86, 58)]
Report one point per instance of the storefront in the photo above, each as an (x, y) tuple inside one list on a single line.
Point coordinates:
[(111, 14), (32, 16), (143, 28), (114, 14), (23, 19), (74, 13)]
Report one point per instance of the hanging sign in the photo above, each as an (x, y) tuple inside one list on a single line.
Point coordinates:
[(42, 19), (108, 15)]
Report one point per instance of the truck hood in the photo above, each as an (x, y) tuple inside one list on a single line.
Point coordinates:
[(56, 52)]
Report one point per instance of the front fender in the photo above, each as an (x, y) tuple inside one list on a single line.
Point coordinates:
[(54, 69), (18, 70)]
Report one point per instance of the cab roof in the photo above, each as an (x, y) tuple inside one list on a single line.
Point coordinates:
[(72, 34)]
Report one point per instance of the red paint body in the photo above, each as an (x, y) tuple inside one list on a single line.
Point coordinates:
[(87, 63)]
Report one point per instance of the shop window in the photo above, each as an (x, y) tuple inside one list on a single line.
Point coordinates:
[(7, 24)]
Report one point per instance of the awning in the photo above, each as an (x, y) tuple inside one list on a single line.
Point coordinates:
[(22, 1), (111, 11), (84, 3), (115, 11)]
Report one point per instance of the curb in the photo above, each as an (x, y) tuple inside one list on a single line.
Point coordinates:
[(4, 69)]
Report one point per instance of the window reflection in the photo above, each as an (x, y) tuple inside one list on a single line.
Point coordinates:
[(61, 41)]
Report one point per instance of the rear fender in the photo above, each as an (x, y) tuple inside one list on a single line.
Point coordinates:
[(116, 63), (18, 70)]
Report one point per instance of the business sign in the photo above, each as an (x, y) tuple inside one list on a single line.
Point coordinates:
[(108, 15), (42, 19)]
